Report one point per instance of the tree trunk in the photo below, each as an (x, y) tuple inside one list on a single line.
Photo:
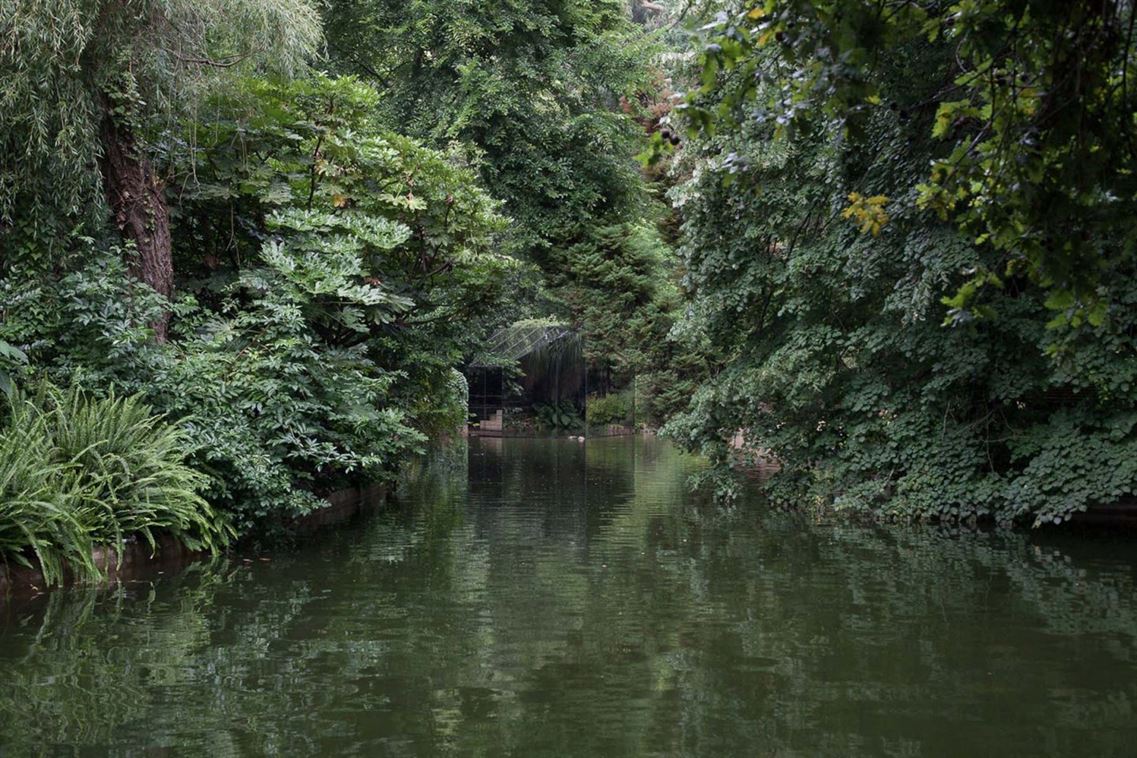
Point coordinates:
[(140, 211)]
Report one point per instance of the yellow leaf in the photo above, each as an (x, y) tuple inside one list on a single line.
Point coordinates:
[(867, 212), (340, 201), (755, 14)]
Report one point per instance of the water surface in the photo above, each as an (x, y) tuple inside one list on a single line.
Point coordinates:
[(542, 597)]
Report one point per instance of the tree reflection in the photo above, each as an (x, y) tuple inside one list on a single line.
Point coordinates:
[(544, 597)]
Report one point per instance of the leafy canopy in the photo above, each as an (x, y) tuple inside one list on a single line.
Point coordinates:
[(817, 284), (66, 63), (1032, 109)]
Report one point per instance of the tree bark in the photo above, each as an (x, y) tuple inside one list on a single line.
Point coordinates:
[(137, 201)]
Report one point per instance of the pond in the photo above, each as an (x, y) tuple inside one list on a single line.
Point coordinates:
[(552, 597)]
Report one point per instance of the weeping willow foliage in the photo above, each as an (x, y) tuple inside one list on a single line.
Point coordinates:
[(78, 472), (563, 353), (65, 63)]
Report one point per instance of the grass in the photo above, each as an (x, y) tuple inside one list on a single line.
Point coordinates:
[(77, 472)]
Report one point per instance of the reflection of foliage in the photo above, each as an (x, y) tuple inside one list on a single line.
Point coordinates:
[(569, 599)]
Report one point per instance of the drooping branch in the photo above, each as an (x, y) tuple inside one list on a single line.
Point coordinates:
[(229, 62)]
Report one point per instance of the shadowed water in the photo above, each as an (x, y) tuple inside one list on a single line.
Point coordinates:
[(542, 597)]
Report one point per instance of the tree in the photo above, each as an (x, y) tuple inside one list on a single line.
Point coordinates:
[(548, 94), (330, 275), (535, 87), (893, 360), (392, 243), (87, 87), (1036, 153)]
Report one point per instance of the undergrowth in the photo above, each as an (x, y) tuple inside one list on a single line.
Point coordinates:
[(77, 472)]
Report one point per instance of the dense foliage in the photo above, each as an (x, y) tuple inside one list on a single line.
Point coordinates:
[(87, 89), (392, 242), (67, 66), (823, 281), (1031, 106), (77, 472), (906, 256), (331, 275), (551, 95), (535, 86), (321, 277)]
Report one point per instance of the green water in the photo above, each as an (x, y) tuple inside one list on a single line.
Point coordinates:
[(538, 597)]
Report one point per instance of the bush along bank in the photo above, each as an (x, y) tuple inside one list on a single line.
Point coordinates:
[(307, 352), (917, 283), (79, 473)]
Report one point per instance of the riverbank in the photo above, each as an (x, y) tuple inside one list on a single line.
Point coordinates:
[(139, 561), (759, 464)]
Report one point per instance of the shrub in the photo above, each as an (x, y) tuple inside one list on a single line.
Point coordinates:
[(11, 359), (609, 409), (558, 417), (445, 407), (36, 495), (129, 470), (275, 414), (76, 472), (313, 343)]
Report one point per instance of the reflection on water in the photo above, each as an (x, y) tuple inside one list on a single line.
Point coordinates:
[(541, 597)]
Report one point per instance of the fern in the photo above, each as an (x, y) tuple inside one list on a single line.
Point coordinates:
[(76, 472)]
